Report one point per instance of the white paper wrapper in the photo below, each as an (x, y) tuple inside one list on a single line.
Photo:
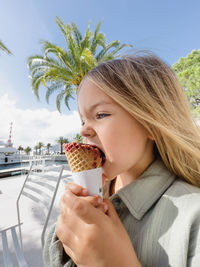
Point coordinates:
[(91, 180)]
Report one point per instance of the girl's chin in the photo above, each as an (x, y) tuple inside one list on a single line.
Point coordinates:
[(109, 175), (109, 171)]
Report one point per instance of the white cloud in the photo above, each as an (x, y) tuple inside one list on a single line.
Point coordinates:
[(33, 126)]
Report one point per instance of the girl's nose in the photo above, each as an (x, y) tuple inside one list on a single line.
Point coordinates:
[(87, 132)]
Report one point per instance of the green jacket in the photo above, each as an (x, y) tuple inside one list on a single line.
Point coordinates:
[(161, 214)]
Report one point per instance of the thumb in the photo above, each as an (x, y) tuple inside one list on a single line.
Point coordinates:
[(111, 212)]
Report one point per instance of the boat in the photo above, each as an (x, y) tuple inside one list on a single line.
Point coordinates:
[(8, 153)]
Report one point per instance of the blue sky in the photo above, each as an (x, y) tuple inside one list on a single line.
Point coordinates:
[(168, 28)]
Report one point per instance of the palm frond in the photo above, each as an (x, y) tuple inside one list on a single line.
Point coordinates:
[(96, 37), (73, 48), (47, 47), (36, 81), (41, 64), (88, 58), (105, 50), (109, 56), (120, 48), (51, 89), (77, 34), (4, 48), (68, 96), (101, 40), (36, 59), (85, 43), (61, 26), (58, 52), (59, 99)]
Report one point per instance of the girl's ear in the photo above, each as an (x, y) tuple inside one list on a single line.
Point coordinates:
[(151, 137)]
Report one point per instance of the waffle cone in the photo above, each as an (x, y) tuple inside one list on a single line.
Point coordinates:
[(82, 157)]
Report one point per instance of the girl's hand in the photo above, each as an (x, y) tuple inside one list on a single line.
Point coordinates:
[(95, 200), (93, 238)]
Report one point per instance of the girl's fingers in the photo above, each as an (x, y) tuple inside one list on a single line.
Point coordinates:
[(69, 252), (95, 201), (103, 207), (81, 207), (67, 237), (77, 189), (64, 234)]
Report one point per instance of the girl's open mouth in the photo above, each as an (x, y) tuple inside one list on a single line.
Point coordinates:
[(102, 156)]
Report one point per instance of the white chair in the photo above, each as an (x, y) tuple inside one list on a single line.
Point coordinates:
[(41, 187), (6, 250)]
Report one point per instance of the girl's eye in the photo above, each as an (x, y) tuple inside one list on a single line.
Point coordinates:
[(82, 123), (102, 115)]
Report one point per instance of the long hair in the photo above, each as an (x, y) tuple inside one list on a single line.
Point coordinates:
[(148, 89)]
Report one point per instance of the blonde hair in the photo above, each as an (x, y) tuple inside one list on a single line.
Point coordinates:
[(149, 90)]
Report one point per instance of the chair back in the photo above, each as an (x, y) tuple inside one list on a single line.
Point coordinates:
[(41, 186), (6, 249)]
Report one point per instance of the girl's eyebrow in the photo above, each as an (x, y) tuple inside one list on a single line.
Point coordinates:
[(92, 107), (100, 103)]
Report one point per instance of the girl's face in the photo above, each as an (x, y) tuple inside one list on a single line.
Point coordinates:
[(127, 146)]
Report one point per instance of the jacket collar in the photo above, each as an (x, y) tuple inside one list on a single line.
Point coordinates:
[(140, 195)]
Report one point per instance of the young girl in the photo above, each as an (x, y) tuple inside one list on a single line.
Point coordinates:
[(135, 111)]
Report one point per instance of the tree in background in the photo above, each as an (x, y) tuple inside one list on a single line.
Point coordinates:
[(48, 147), (62, 70), (36, 149), (4, 48), (40, 145), (20, 148), (188, 72), (27, 150), (78, 138), (62, 141)]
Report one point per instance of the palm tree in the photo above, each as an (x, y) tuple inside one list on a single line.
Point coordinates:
[(63, 70), (78, 138), (27, 150), (4, 48), (62, 141), (40, 145), (36, 149), (20, 148), (48, 147)]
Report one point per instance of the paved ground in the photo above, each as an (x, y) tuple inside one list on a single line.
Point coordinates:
[(32, 217)]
